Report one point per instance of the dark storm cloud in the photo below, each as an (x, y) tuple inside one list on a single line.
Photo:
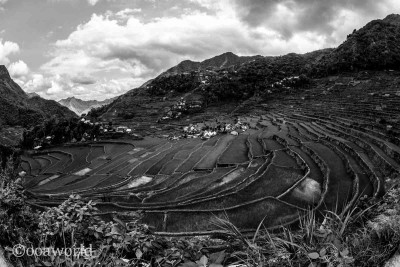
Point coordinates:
[(306, 15)]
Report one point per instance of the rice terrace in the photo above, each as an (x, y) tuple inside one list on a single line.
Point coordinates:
[(132, 130), (313, 154)]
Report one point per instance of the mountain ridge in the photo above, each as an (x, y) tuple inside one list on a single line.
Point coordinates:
[(21, 109), (220, 61), (79, 106), (374, 46), (228, 76)]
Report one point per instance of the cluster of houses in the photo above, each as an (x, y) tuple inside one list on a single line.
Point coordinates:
[(181, 107), (205, 75), (286, 83), (39, 143), (204, 131), (105, 127)]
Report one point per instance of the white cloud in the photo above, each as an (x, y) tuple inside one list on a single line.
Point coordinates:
[(116, 51), (54, 86), (2, 2), (128, 51), (162, 42), (93, 2), (6, 49), (37, 83), (18, 69)]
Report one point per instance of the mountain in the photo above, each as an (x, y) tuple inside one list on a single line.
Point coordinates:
[(374, 46), (221, 61), (18, 109), (229, 78), (209, 85), (81, 106)]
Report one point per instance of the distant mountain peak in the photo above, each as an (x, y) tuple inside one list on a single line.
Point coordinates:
[(224, 60), (227, 54), (80, 106)]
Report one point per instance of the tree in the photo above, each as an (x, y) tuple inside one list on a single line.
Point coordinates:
[(28, 140)]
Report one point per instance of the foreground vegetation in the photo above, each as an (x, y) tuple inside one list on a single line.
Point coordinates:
[(367, 235)]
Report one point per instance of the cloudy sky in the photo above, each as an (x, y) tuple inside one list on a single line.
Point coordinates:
[(96, 49)]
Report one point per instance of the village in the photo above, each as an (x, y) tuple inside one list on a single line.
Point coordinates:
[(180, 108), (206, 130), (88, 129)]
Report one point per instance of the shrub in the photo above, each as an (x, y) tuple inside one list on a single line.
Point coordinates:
[(17, 220), (367, 235)]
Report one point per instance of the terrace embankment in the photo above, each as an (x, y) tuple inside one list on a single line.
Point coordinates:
[(315, 149)]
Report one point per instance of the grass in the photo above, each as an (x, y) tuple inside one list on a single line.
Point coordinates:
[(217, 187), (244, 216), (95, 152), (110, 180), (283, 159), (366, 235), (236, 152), (156, 168), (191, 183), (58, 165), (340, 182), (44, 162), (193, 159), (114, 149), (35, 166), (169, 167), (270, 144), (209, 161), (273, 182), (262, 187), (257, 149)]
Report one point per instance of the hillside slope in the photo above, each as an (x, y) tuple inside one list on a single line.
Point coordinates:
[(17, 109), (374, 46), (230, 78), (233, 84)]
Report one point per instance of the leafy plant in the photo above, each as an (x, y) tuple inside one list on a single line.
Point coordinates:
[(17, 220)]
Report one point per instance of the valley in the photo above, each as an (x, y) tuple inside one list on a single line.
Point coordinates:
[(312, 149), (287, 160)]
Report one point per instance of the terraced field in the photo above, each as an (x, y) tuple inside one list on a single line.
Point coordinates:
[(295, 157)]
